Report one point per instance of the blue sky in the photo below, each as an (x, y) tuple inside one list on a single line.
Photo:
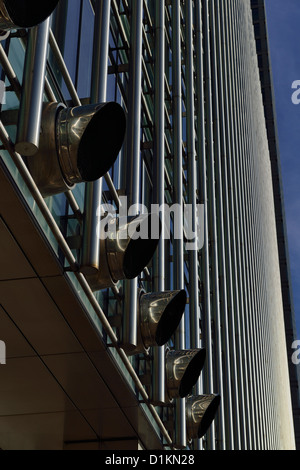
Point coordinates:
[(283, 19)]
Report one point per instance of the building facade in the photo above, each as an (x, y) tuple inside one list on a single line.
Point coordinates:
[(144, 288)]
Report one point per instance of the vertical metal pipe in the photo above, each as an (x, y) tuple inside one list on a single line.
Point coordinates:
[(159, 184), (30, 113), (194, 308), (134, 104), (205, 255), (192, 175), (177, 154), (133, 149), (93, 191), (178, 249), (100, 51)]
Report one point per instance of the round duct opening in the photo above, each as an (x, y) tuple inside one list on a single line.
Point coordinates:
[(209, 416), (101, 142), (140, 251), (170, 318), (192, 373), (29, 13)]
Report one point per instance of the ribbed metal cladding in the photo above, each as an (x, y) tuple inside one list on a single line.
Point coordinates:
[(187, 75), (237, 267), (261, 34)]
